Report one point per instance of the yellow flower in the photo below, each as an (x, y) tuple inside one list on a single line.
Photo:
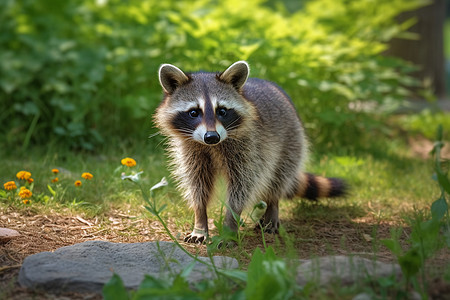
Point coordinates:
[(87, 176), (23, 175), (30, 180), (55, 171), (10, 185), (55, 179), (25, 193), (129, 162), (77, 183), (26, 201)]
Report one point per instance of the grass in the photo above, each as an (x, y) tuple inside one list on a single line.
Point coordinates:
[(385, 186), (389, 186)]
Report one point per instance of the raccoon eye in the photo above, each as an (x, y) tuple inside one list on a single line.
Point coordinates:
[(222, 111), (194, 113)]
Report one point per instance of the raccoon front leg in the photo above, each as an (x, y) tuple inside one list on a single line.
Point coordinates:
[(200, 232), (199, 179)]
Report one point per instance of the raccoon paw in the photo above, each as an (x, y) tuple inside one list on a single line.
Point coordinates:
[(196, 237), (271, 228), (230, 244)]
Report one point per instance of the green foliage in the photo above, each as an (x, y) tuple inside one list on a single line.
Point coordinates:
[(269, 277), (425, 122), (426, 235), (84, 71), (114, 289)]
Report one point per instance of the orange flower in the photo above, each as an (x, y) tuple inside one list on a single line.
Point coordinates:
[(129, 162), (10, 185), (30, 180), (26, 201), (77, 183), (25, 193), (87, 176), (55, 179), (55, 171), (23, 175)]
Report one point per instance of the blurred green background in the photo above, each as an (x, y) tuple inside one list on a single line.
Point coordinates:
[(82, 74)]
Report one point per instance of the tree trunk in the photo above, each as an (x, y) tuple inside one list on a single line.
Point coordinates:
[(428, 51)]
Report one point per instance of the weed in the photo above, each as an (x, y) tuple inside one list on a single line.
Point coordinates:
[(426, 237)]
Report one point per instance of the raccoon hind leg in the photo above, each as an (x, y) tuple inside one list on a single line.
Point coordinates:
[(279, 187), (270, 222)]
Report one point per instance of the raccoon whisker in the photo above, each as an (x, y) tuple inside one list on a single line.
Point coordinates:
[(234, 121), (229, 128), (186, 134), (154, 134), (163, 141), (232, 126), (185, 131)]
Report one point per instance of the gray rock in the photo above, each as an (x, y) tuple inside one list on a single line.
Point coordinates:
[(87, 266), (343, 269), (363, 296), (7, 234)]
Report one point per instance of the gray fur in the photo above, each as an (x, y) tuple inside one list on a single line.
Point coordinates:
[(261, 155)]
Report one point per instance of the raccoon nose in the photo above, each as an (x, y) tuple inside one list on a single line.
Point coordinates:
[(211, 137)]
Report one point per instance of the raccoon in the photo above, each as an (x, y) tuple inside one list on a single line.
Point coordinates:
[(246, 129)]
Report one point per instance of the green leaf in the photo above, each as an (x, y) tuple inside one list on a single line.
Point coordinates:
[(439, 208), (393, 244), (151, 282), (188, 269), (114, 289), (151, 210), (443, 181), (234, 274), (410, 263), (164, 288), (163, 207), (268, 277), (52, 191)]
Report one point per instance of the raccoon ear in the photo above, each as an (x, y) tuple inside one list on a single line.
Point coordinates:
[(171, 77), (236, 74)]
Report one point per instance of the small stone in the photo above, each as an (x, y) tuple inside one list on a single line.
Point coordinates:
[(343, 269), (363, 296), (7, 234)]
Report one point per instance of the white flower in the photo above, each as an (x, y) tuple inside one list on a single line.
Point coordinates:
[(162, 183), (133, 177)]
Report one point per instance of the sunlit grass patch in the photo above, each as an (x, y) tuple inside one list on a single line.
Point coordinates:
[(81, 182)]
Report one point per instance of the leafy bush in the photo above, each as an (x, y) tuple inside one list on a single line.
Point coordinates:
[(83, 72), (425, 122)]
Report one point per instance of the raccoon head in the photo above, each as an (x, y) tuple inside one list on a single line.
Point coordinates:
[(205, 107)]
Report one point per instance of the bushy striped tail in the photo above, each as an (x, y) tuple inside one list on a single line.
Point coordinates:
[(313, 187)]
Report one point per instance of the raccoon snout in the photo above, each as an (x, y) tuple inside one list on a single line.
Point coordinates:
[(211, 137)]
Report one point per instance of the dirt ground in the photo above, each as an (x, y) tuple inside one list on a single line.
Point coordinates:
[(49, 232)]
